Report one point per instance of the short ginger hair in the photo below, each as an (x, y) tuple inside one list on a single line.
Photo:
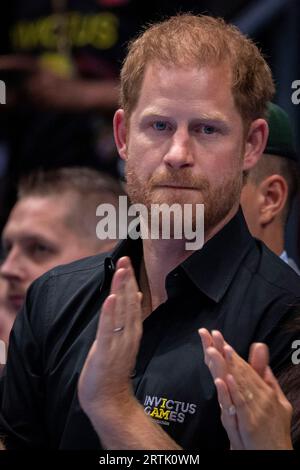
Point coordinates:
[(200, 40)]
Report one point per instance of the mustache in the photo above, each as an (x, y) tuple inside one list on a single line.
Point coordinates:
[(182, 178)]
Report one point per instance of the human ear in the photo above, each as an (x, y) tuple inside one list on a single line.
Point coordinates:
[(255, 142), (120, 133)]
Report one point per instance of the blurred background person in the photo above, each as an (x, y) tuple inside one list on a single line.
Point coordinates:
[(7, 318), (53, 222), (6, 314), (272, 185), (60, 62)]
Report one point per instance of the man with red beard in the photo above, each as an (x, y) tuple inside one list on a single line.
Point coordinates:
[(191, 124)]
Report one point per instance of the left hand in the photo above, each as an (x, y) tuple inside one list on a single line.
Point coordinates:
[(104, 382), (261, 414)]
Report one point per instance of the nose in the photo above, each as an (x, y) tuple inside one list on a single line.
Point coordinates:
[(180, 154), (11, 268)]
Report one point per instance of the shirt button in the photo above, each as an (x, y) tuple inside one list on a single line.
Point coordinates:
[(111, 266)]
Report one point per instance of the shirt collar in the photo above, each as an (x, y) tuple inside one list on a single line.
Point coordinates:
[(211, 268), (284, 257)]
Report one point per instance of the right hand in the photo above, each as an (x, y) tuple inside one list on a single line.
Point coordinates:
[(105, 384)]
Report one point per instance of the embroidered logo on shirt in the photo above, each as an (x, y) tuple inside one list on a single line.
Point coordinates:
[(165, 410)]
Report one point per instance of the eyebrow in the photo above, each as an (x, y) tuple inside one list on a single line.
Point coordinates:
[(213, 117), (6, 239)]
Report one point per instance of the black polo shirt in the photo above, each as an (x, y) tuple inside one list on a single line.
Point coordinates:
[(234, 284)]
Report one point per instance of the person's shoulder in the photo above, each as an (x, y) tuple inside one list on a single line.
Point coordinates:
[(90, 263), (272, 271), (74, 269), (65, 282), (62, 295)]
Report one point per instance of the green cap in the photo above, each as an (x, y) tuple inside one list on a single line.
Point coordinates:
[(280, 140)]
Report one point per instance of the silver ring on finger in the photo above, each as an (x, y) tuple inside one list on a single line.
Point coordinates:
[(118, 329)]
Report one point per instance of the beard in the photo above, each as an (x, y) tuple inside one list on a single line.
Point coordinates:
[(218, 200)]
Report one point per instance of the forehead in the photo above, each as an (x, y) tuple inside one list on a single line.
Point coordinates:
[(187, 88), (45, 215)]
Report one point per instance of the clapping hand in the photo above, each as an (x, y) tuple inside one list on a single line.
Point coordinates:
[(254, 411)]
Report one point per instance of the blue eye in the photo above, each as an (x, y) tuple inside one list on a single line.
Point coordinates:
[(160, 125), (208, 129)]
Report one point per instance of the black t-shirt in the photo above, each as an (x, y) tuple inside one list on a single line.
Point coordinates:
[(234, 284)]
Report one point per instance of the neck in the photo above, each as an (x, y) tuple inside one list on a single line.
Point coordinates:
[(162, 256), (273, 236)]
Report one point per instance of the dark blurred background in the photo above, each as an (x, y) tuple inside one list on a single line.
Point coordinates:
[(60, 61)]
